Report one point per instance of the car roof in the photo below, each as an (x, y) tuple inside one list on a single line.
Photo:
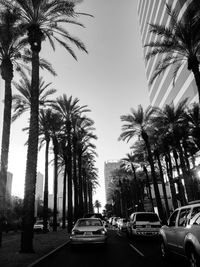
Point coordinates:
[(189, 206)]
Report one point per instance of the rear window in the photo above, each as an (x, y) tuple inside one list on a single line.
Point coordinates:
[(90, 222), (93, 215), (147, 217)]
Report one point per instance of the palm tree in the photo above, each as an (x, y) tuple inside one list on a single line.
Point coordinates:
[(172, 120), (137, 123), (11, 45), (40, 20), (178, 42), (22, 101), (44, 132), (82, 133), (97, 205), (88, 178), (128, 165), (68, 108), (48, 128)]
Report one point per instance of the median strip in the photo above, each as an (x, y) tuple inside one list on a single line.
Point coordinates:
[(139, 252)]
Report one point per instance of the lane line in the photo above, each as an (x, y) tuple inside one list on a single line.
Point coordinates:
[(137, 250)]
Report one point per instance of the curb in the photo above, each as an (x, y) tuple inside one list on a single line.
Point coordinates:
[(48, 254)]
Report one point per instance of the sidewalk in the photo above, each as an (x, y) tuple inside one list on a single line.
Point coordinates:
[(42, 244)]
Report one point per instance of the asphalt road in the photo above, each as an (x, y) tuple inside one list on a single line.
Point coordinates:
[(120, 252)]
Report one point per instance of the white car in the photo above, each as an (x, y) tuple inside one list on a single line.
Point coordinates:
[(181, 235), (144, 224), (88, 231), (39, 226)]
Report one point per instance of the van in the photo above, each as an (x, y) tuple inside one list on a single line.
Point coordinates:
[(144, 224)]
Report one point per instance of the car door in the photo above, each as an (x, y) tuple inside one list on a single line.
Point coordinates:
[(170, 230), (181, 230)]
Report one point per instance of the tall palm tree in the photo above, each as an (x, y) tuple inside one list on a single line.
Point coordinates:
[(47, 129), (11, 55), (136, 124), (97, 205), (68, 108), (128, 164), (82, 133), (179, 42), (42, 19), (172, 120)]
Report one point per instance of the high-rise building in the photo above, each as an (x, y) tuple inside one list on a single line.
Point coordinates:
[(109, 167), (162, 91)]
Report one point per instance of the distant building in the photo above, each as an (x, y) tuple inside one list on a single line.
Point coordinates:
[(162, 91), (109, 167)]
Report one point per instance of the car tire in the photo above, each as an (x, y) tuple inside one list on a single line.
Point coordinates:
[(193, 258), (165, 255)]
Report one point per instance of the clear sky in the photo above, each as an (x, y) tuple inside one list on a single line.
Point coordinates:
[(110, 79)]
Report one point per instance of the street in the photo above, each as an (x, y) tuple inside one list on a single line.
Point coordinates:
[(120, 251)]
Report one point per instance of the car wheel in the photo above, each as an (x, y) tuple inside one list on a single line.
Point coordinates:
[(193, 258), (164, 251)]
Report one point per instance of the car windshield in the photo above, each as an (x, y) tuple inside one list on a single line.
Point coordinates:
[(147, 217), (90, 222)]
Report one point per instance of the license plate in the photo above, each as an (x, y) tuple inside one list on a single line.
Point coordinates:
[(88, 233)]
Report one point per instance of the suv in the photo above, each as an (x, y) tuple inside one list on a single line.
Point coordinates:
[(144, 224), (181, 235)]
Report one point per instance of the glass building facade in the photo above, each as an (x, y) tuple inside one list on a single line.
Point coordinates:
[(162, 91)]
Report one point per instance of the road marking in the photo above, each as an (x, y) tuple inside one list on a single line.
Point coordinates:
[(139, 252)]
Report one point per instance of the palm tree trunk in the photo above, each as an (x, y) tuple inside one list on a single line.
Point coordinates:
[(163, 184), (156, 189), (171, 181), (85, 196), (4, 151), (46, 187), (64, 197), (90, 197), (69, 173), (180, 185), (186, 176), (149, 187), (55, 188), (31, 164), (76, 202), (80, 182), (196, 72)]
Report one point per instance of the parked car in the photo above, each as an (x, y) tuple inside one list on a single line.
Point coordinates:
[(88, 231), (144, 224), (39, 227), (181, 235)]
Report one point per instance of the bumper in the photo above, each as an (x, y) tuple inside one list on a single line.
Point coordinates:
[(146, 233), (88, 240)]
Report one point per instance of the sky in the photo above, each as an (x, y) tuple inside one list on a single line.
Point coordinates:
[(110, 79)]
